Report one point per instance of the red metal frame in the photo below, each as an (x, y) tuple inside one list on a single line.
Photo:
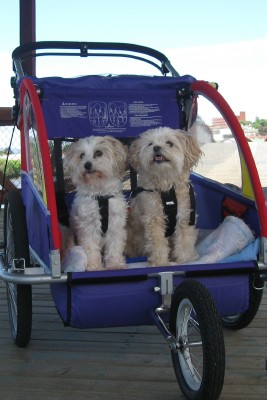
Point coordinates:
[(27, 86)]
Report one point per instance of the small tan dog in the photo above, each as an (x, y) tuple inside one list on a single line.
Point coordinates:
[(98, 215), (159, 222)]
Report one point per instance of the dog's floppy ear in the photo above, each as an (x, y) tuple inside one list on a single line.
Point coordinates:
[(69, 158), (134, 154), (192, 151), (120, 154)]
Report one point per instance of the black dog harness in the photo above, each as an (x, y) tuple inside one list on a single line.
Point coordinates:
[(170, 206), (103, 211)]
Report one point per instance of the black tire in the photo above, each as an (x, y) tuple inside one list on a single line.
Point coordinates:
[(199, 361), (240, 321), (19, 297)]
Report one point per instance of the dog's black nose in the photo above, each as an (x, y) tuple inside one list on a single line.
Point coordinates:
[(88, 166), (156, 148)]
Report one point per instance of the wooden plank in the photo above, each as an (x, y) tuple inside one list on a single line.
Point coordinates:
[(123, 363)]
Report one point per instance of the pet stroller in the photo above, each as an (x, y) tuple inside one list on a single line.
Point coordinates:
[(188, 303)]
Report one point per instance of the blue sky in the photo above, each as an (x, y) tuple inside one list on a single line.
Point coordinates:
[(221, 40), (155, 23)]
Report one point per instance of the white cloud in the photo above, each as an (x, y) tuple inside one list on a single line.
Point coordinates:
[(238, 68)]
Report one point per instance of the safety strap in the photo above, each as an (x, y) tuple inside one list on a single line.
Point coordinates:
[(192, 220), (169, 203), (103, 211)]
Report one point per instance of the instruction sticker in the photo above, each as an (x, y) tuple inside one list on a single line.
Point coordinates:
[(114, 116), (73, 110)]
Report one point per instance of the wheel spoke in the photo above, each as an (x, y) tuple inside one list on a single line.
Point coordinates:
[(196, 324), (12, 305), (19, 297), (193, 369), (190, 345), (13, 298), (186, 317)]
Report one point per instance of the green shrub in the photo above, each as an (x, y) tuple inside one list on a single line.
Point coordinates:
[(13, 168)]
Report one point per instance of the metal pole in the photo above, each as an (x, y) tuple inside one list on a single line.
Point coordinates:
[(28, 32)]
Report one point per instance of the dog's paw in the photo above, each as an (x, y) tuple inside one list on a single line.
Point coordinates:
[(186, 257), (94, 268), (158, 262), (115, 265), (94, 261)]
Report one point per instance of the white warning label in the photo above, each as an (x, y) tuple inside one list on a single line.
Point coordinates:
[(144, 114), (73, 110)]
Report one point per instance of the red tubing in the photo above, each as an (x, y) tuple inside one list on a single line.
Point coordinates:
[(27, 86)]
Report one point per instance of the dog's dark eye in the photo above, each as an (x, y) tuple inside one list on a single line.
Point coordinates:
[(150, 144), (169, 143), (81, 156), (98, 153)]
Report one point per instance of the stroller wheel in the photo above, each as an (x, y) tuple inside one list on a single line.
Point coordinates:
[(240, 321), (19, 297), (199, 360)]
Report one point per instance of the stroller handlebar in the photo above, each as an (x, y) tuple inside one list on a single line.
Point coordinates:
[(84, 49)]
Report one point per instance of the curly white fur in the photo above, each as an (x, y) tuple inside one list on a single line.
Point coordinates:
[(96, 166), (162, 158)]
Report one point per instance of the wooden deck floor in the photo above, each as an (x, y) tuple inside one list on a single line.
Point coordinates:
[(119, 363)]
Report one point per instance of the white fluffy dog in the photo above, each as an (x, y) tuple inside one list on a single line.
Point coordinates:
[(98, 214), (159, 223)]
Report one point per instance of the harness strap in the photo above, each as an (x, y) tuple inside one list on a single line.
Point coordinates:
[(192, 220), (169, 203), (170, 206), (103, 211)]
